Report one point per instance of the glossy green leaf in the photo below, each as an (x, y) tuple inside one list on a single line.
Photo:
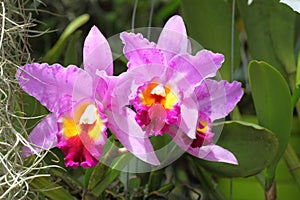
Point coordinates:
[(50, 189), (273, 105), (270, 28), (54, 53), (272, 101), (209, 23), (71, 56), (253, 146)]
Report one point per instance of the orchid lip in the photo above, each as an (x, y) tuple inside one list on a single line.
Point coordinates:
[(82, 134), (157, 107)]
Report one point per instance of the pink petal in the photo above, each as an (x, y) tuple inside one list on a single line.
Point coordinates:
[(49, 84), (218, 99), (173, 38), (214, 153), (210, 152), (104, 88), (194, 69), (43, 136), (139, 51), (130, 134), (96, 53), (189, 117), (84, 87)]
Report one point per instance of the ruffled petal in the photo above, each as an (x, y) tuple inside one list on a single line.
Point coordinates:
[(129, 133), (83, 134), (43, 136), (173, 38), (97, 53), (139, 51), (218, 99), (194, 69), (49, 84)]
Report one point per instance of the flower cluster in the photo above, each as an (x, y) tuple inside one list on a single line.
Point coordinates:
[(165, 90)]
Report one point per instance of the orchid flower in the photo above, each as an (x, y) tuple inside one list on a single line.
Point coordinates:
[(169, 91), (79, 102)]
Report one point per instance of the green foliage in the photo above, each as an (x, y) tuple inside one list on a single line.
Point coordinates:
[(53, 55), (270, 29), (213, 32), (50, 189), (265, 31), (254, 147), (273, 105)]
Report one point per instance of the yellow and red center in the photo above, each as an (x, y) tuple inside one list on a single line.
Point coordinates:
[(85, 119), (156, 93), (82, 135)]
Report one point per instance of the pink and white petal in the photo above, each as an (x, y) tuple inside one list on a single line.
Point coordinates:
[(218, 99), (173, 38), (48, 84), (194, 69), (43, 136), (139, 51), (214, 153), (130, 134), (97, 53)]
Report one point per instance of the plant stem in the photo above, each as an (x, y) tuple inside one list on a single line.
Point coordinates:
[(293, 163), (270, 194)]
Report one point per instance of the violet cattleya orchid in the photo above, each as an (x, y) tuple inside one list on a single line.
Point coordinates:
[(170, 92), (79, 102)]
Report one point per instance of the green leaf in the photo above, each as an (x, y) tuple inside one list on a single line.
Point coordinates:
[(134, 184), (296, 92), (51, 190), (298, 71), (282, 29), (209, 23), (164, 12), (296, 95), (270, 28), (71, 56), (273, 105), (166, 188), (53, 54), (155, 180), (107, 174), (253, 146)]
